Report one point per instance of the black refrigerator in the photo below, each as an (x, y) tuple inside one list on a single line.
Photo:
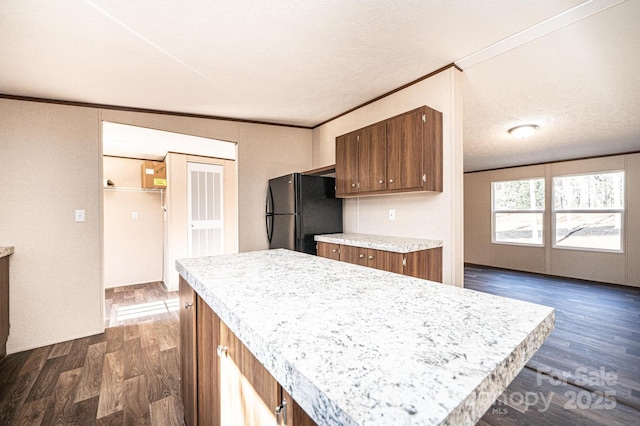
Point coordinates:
[(300, 207)]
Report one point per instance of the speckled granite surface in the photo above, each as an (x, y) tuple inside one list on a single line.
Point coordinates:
[(380, 242), (359, 346), (6, 251)]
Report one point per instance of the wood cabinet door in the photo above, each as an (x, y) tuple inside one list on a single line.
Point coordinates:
[(295, 415), (404, 151), (329, 250), (355, 255), (188, 379), (4, 304), (432, 150), (425, 264), (376, 259), (394, 262), (385, 260), (347, 164), (249, 395), (208, 335), (372, 158)]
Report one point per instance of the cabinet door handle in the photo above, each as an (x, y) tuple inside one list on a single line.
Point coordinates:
[(390, 180), (370, 257), (361, 256), (380, 181), (334, 250), (281, 409), (353, 185), (187, 305), (222, 350)]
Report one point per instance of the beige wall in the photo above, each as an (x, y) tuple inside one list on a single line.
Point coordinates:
[(616, 268), (132, 247), (51, 163), (423, 214)]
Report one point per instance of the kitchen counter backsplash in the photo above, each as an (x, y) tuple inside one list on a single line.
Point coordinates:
[(380, 242)]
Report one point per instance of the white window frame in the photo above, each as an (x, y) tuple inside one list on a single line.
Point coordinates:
[(594, 210), (494, 212)]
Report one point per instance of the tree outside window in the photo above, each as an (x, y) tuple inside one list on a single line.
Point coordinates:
[(518, 207), (588, 211)]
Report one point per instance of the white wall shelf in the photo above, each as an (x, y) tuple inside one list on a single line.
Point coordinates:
[(125, 189)]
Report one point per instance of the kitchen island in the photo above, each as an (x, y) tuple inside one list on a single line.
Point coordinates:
[(359, 346)]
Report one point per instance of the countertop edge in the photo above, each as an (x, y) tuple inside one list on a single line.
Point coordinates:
[(6, 251), (471, 410)]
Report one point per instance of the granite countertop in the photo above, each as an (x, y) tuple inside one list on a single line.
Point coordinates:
[(359, 346), (6, 251), (380, 242)]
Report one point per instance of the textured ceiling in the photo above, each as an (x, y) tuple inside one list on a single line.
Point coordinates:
[(301, 63)]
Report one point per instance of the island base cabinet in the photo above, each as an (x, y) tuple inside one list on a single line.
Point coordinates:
[(249, 395), (208, 387), (295, 415), (222, 382), (188, 378)]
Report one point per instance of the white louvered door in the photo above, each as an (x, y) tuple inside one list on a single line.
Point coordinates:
[(205, 209)]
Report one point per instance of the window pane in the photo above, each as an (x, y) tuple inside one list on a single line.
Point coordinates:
[(589, 230), (527, 194), (596, 191), (523, 228)]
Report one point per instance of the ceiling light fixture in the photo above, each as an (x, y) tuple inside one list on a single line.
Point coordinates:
[(524, 131)]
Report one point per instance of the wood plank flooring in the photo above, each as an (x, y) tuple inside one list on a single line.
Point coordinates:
[(588, 370), (129, 375), (586, 373)]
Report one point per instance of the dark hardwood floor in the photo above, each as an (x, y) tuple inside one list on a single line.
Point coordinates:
[(588, 370), (128, 375), (586, 373)]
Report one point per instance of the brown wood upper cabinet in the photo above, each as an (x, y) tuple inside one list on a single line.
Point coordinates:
[(403, 153), (372, 158), (347, 163)]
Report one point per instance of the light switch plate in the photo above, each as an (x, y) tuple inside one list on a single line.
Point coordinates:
[(79, 215), (134, 215), (392, 214)]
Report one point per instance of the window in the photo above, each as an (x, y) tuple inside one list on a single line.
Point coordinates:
[(588, 211), (518, 206)]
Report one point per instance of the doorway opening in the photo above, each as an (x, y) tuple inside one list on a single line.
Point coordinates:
[(189, 211)]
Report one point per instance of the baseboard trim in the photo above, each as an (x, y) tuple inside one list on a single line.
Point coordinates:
[(53, 342)]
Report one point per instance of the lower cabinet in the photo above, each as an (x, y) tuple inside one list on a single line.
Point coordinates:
[(425, 264), (4, 304), (328, 250), (188, 379), (231, 386)]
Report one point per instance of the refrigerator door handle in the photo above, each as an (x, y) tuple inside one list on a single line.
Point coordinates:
[(269, 225), (269, 202)]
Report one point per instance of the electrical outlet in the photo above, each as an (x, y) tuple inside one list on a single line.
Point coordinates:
[(134, 215), (79, 215), (392, 214)]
